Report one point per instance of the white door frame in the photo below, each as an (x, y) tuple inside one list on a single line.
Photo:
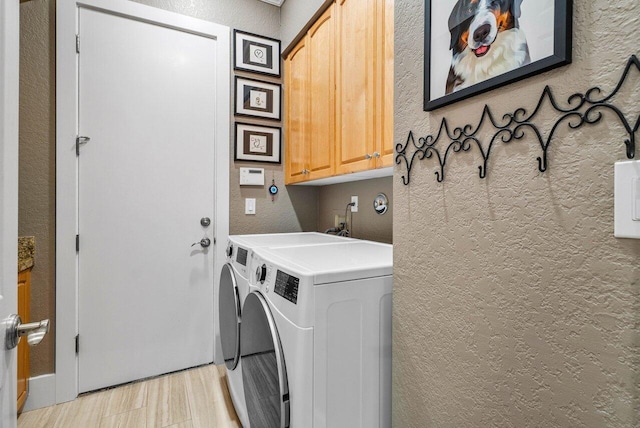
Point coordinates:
[(66, 377), (9, 98)]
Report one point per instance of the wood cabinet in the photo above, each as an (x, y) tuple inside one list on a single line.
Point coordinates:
[(24, 298), (310, 119), (339, 93)]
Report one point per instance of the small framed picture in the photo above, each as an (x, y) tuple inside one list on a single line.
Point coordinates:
[(256, 54), (258, 99), (256, 143), (472, 47)]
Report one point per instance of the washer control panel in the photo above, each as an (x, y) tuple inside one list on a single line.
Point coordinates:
[(241, 256)]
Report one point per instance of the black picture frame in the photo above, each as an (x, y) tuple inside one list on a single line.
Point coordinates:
[(243, 41), (271, 139), (562, 55), (272, 99)]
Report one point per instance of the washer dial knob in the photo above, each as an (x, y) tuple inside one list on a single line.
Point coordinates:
[(261, 274)]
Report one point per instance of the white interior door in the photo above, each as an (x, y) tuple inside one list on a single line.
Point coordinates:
[(9, 40), (147, 100)]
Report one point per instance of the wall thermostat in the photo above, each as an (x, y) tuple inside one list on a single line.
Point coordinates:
[(252, 176)]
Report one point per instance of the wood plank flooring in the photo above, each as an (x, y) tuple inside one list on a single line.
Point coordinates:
[(196, 398)]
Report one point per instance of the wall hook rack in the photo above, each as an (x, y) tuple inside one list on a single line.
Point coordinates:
[(582, 109)]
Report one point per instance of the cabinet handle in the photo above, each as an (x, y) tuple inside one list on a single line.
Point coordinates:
[(367, 156), (376, 154)]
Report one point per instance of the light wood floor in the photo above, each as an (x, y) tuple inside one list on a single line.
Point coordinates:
[(196, 398)]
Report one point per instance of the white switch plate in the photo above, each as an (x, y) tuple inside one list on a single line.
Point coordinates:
[(354, 209), (250, 206), (627, 199)]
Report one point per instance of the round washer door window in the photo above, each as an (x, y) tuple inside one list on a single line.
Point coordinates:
[(264, 373), (229, 316)]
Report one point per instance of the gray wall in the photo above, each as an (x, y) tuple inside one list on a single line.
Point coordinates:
[(294, 15), (36, 205), (514, 305), (367, 224)]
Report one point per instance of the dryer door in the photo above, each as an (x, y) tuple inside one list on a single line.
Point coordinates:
[(229, 317), (264, 374)]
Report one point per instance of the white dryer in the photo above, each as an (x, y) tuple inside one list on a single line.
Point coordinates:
[(326, 311), (234, 288)]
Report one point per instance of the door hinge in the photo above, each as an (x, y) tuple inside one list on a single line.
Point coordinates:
[(77, 243), (77, 343), (81, 141), (77, 43)]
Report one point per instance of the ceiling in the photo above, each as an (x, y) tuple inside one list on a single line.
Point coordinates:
[(274, 2)]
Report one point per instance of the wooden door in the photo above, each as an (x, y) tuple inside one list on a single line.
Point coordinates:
[(356, 88), (24, 297), (297, 108), (321, 133), (385, 144)]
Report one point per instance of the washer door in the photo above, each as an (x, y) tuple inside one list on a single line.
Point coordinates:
[(229, 317), (264, 374)]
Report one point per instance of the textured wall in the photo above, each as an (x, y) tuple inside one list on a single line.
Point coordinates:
[(367, 224), (514, 305), (37, 163), (248, 15), (294, 15)]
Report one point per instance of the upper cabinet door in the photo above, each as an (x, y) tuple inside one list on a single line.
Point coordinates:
[(386, 107), (297, 120), (356, 87), (321, 40)]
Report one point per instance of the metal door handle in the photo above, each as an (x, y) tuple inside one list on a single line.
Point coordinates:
[(367, 156), (204, 242), (35, 331), (376, 154)]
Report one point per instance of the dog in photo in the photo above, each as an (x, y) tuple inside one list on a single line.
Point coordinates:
[(486, 41)]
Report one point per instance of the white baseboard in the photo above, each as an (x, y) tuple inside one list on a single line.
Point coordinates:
[(42, 392)]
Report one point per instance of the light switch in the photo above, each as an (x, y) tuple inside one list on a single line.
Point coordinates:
[(250, 206), (627, 199), (636, 199)]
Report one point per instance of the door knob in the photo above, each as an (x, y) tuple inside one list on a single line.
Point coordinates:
[(368, 156), (376, 154), (35, 331), (204, 242)]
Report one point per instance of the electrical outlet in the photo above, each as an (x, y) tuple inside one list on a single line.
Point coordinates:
[(354, 209), (338, 219)]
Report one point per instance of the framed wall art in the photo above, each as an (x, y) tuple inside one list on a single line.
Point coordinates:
[(256, 54), (258, 99), (256, 143), (474, 46)]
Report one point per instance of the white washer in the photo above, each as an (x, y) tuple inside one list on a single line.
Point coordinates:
[(326, 313), (234, 288)]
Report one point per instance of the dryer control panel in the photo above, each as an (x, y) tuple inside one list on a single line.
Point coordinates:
[(287, 286)]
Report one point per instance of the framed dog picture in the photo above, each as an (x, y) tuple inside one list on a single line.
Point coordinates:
[(474, 46), (255, 143), (257, 99), (256, 54)]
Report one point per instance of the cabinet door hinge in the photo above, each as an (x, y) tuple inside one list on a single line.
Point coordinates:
[(77, 343), (77, 43), (77, 243)]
